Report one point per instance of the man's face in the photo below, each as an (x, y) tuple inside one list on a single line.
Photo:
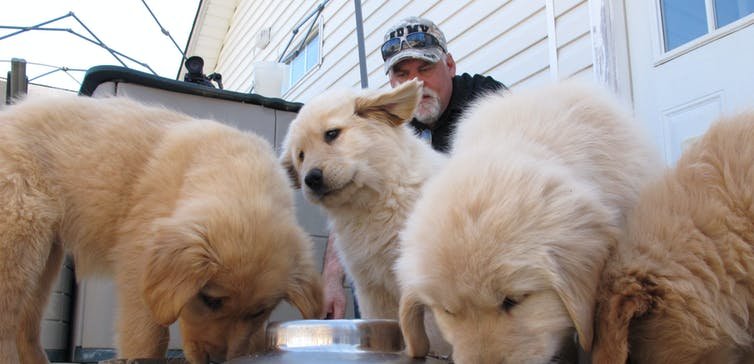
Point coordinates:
[(438, 84)]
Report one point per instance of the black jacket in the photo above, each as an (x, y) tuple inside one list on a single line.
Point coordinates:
[(466, 88)]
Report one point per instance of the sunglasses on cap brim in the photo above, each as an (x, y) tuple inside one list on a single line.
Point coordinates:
[(412, 40)]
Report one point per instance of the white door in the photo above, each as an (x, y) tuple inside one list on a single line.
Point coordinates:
[(691, 61)]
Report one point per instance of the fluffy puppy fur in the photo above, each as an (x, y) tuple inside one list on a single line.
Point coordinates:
[(194, 219), (353, 155), (680, 289), (508, 240)]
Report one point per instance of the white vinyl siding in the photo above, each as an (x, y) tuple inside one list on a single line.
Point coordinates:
[(573, 38), (506, 39)]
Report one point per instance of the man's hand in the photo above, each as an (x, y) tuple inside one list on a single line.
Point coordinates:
[(333, 276)]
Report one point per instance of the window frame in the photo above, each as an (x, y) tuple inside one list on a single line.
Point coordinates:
[(714, 33), (317, 31)]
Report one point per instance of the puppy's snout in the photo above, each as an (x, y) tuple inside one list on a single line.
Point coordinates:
[(315, 180)]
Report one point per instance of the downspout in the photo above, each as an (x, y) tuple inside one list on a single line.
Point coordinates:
[(360, 41), (190, 40)]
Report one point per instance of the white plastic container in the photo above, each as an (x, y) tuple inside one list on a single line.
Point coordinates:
[(269, 78)]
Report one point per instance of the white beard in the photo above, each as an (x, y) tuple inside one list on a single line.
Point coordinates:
[(428, 110)]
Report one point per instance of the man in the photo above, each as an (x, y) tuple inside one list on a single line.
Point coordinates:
[(416, 48)]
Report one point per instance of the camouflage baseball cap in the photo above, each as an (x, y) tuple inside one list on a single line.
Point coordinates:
[(431, 53)]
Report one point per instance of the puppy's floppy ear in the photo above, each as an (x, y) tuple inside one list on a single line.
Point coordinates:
[(181, 261), (575, 279), (286, 159), (627, 298), (411, 312), (287, 163), (305, 292), (304, 285), (393, 107)]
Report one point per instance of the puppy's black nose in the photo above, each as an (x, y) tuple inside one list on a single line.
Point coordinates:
[(314, 180)]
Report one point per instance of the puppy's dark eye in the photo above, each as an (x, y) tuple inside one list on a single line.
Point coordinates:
[(213, 303), (331, 135), (301, 156), (508, 304)]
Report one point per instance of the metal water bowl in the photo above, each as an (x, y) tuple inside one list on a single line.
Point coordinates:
[(335, 335), (146, 361), (333, 342)]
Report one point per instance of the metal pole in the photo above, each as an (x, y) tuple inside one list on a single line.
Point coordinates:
[(314, 13), (360, 41), (19, 84), (163, 30), (26, 29)]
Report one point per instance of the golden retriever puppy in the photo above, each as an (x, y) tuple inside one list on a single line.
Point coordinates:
[(193, 219), (507, 242), (680, 289), (353, 155)]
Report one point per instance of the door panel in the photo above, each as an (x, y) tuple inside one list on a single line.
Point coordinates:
[(680, 91)]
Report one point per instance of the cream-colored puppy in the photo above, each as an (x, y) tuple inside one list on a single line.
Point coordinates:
[(508, 240), (680, 289), (354, 155), (194, 219)]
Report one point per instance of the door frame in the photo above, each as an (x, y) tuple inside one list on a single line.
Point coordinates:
[(610, 57)]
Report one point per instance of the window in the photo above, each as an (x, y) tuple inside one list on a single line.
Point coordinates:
[(683, 21), (728, 11), (306, 51), (303, 55), (686, 20), (302, 59)]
